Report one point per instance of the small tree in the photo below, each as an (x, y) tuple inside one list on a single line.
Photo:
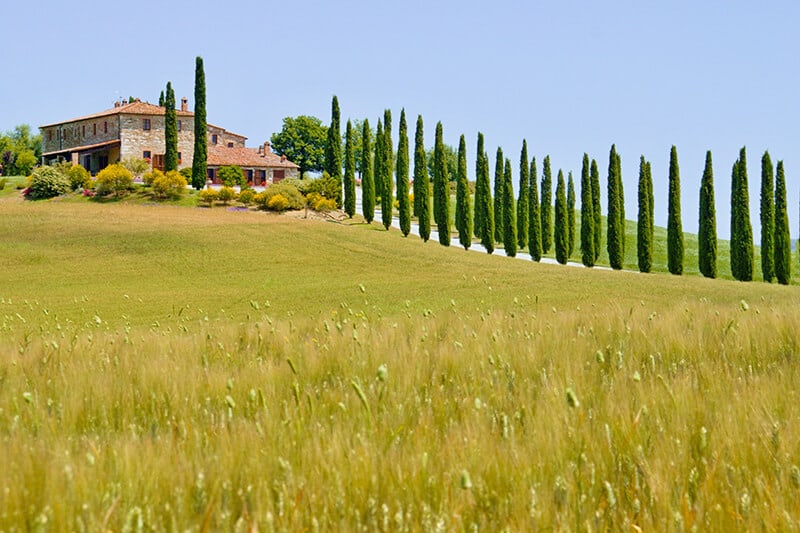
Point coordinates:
[(707, 233), (509, 214), (463, 208), (783, 242), (136, 166), (534, 216), (401, 174), (587, 215), (441, 190), (767, 219), (524, 193), (114, 179), (422, 188), (367, 182), (231, 176), (561, 228), (349, 172)]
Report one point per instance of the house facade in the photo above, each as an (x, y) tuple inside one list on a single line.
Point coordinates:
[(136, 130)]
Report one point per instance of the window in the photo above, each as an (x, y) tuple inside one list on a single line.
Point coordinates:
[(146, 155), (146, 124), (105, 126), (180, 159), (94, 129), (180, 125), (230, 145), (50, 135), (211, 174), (214, 138), (83, 130)]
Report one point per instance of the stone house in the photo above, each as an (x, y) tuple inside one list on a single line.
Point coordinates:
[(136, 130)]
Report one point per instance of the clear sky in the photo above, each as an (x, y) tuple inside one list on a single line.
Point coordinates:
[(569, 76)]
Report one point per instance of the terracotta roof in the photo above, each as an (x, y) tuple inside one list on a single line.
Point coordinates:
[(245, 157), (84, 147), (135, 108)]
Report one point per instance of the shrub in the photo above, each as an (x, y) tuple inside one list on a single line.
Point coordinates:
[(231, 175), (137, 167), (324, 186), (225, 195), (186, 172), (47, 182), (3, 182), (294, 199), (277, 202), (79, 177), (247, 196), (114, 179), (151, 176), (169, 185), (320, 203), (208, 196)]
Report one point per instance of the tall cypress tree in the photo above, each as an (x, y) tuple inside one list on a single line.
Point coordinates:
[(534, 215), (333, 145), (644, 242), (387, 166), (367, 180), (499, 191), (486, 207), (767, 219), (783, 242), (594, 176), (522, 203), (741, 230), (161, 100), (379, 161), (480, 192), (441, 189), (170, 130), (615, 237), (509, 213), (422, 188), (674, 225), (463, 208), (349, 171), (652, 202), (570, 215), (546, 210), (561, 227), (707, 233), (621, 191), (200, 156), (587, 215), (401, 175)]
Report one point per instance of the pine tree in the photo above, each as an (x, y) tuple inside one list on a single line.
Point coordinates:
[(480, 192), (674, 225), (615, 237), (767, 219), (741, 230), (441, 190), (367, 180), (387, 187), (200, 156), (644, 242), (570, 215), (509, 213), (522, 203), (484, 207), (561, 227), (499, 191), (707, 233), (170, 130), (401, 175), (349, 171), (546, 210), (587, 215), (534, 216), (333, 149), (783, 242), (422, 188), (594, 176), (463, 208)]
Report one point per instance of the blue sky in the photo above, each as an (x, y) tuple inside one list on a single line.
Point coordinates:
[(568, 76)]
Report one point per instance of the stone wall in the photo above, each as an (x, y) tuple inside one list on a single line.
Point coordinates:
[(136, 140), (224, 137), (80, 133)]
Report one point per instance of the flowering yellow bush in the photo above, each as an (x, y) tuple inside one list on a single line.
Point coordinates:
[(169, 185), (114, 179)]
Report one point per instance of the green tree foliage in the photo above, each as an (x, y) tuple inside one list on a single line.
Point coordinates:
[(19, 151), (707, 233), (380, 160), (441, 190), (349, 171), (47, 182), (302, 140), (534, 215), (161, 100), (499, 191), (484, 208), (741, 230), (480, 193), (509, 213), (767, 219), (231, 176), (401, 174), (621, 190), (644, 236), (523, 209), (367, 180), (561, 227), (594, 175), (200, 156), (587, 215), (570, 215), (333, 147), (463, 208), (546, 210), (614, 223), (358, 143), (387, 167), (674, 225), (783, 242), (450, 159), (170, 130), (422, 186)]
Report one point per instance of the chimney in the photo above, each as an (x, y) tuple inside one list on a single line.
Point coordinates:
[(116, 104), (267, 148), (184, 104)]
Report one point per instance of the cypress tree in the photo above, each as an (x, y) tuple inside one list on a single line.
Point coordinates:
[(522, 203), (484, 207), (741, 230), (644, 242), (422, 188), (499, 191), (463, 208), (349, 171), (561, 227), (441, 190), (767, 219), (622, 219), (333, 145), (387, 166), (594, 176), (707, 232), (674, 226), (161, 100), (401, 175), (534, 216), (170, 131), (200, 156), (377, 169), (546, 210), (587, 215), (615, 237), (367, 180), (570, 215), (650, 195), (480, 192), (509, 213), (783, 243)]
